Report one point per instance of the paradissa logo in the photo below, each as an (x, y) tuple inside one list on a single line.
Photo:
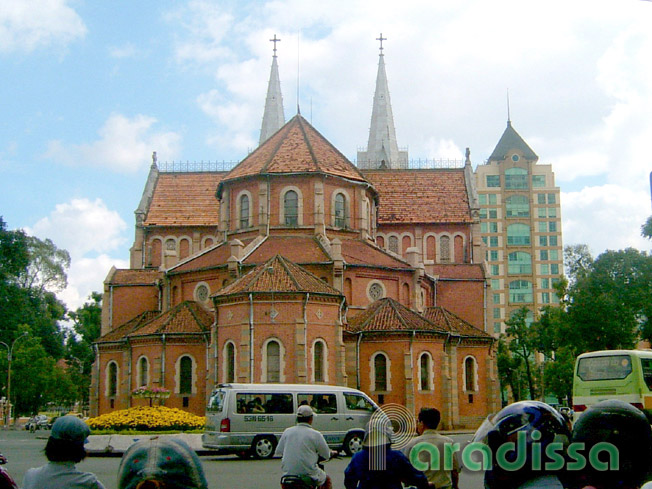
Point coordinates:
[(512, 456)]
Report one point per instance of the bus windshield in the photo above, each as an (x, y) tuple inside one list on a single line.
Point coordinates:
[(607, 367), (216, 401)]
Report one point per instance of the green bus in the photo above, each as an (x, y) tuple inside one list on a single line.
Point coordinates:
[(613, 374)]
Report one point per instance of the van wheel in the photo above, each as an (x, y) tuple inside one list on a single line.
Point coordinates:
[(353, 443), (263, 447)]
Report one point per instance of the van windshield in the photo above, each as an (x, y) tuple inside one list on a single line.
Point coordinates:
[(216, 401)]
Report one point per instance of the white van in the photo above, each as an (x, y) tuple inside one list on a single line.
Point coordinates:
[(249, 419)]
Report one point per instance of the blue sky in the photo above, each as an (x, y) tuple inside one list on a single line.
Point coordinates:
[(90, 89)]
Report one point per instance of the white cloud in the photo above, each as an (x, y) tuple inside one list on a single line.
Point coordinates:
[(82, 227), (128, 50), (125, 145), (26, 25)]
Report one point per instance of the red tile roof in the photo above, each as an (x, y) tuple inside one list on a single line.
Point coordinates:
[(278, 274), (389, 315), (187, 317), (421, 196), (453, 323), (298, 249), (295, 148), (135, 277), (211, 257), (123, 330), (185, 199), (362, 252)]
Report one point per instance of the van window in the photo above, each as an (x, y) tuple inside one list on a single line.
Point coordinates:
[(256, 402), (358, 402), (646, 363), (216, 402), (320, 403)]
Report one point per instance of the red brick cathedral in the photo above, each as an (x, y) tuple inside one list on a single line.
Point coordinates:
[(298, 266)]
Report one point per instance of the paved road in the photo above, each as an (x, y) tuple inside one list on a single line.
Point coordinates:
[(25, 450)]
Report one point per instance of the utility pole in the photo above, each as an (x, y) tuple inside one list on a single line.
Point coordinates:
[(10, 352)]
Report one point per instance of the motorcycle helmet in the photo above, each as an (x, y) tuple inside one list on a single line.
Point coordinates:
[(533, 424), (625, 427)]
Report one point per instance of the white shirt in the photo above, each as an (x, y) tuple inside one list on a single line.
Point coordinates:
[(301, 446), (60, 475)]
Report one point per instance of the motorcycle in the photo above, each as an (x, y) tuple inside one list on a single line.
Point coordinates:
[(39, 422), (6, 482), (302, 481)]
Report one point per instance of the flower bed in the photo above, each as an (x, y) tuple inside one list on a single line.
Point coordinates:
[(146, 418)]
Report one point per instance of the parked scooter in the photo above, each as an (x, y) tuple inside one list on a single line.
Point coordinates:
[(6, 482)]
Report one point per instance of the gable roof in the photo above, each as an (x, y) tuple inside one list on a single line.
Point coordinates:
[(420, 196), (186, 317), (185, 199), (361, 252), (121, 332), (511, 140), (133, 276), (453, 323), (278, 274), (386, 314), (295, 148)]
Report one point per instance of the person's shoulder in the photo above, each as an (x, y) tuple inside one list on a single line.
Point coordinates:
[(543, 482)]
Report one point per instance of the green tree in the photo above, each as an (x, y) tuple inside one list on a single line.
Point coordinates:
[(558, 375), (14, 256), (47, 266), (522, 344), (646, 229), (577, 261)]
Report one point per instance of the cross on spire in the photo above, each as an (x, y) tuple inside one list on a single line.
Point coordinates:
[(275, 40), (381, 39)]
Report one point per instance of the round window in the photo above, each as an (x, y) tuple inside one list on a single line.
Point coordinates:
[(376, 291), (201, 293), (515, 158)]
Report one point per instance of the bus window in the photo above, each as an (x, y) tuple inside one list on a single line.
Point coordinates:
[(646, 364), (216, 402), (258, 403), (320, 403), (358, 402), (608, 367)]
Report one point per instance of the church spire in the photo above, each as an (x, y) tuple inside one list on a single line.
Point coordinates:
[(382, 148), (273, 118)]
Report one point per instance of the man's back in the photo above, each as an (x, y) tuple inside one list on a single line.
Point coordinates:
[(301, 446), (439, 474)]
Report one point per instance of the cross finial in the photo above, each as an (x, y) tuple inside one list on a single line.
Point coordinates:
[(275, 40), (381, 39)]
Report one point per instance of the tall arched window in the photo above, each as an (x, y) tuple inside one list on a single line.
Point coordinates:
[(425, 372), (520, 291), (518, 235), (143, 371), (444, 249), (273, 362), (185, 375), (516, 178), (244, 211), (341, 218), (380, 372), (519, 263), (112, 379), (229, 359), (318, 361), (517, 206), (291, 208), (469, 374)]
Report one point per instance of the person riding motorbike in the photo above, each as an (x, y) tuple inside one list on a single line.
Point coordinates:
[(302, 448), (6, 482)]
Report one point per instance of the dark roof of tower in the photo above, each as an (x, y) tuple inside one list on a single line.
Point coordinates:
[(278, 274), (386, 314), (511, 140), (295, 148)]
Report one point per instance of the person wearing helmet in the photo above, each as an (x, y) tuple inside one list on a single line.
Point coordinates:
[(527, 440), (627, 429)]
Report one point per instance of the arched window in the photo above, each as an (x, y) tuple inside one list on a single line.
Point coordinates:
[(444, 249), (393, 244), (469, 374), (425, 372), (517, 206), (520, 291), (341, 214), (229, 365), (380, 372), (291, 208), (516, 178), (244, 211), (319, 361), (143, 371), (112, 379), (519, 263), (518, 235), (273, 361), (185, 375)]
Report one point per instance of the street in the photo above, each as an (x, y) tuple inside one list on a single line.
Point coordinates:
[(25, 450)]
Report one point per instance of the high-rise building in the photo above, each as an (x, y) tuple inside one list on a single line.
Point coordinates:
[(520, 224)]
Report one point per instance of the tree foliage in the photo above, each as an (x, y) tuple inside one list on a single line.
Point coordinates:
[(646, 229)]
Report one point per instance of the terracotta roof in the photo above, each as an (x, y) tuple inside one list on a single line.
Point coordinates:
[(187, 317), (361, 252), (453, 323), (458, 271), (298, 249), (130, 276), (511, 140), (185, 199), (421, 196), (123, 330), (389, 315), (278, 274), (211, 257), (295, 148)]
